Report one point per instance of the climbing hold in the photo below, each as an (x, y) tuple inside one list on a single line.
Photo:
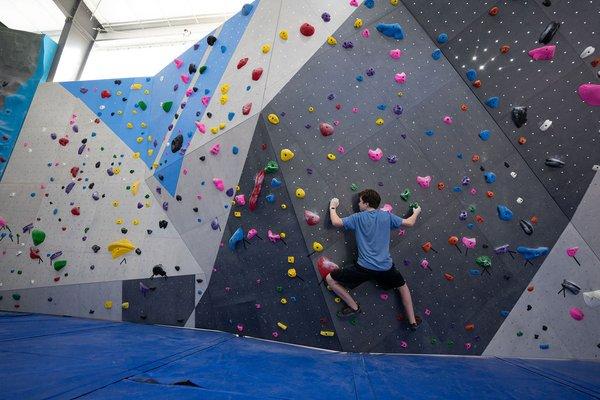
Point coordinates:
[(105, 94), (325, 266), (242, 62), (484, 135), (331, 156), (554, 162), (400, 77), (484, 261), (543, 53), (490, 177), (286, 154), (477, 84), (326, 129), (376, 154), (493, 102), (271, 167), (526, 226), (300, 194), (390, 30), (219, 184), (311, 218), (307, 29), (447, 120), (257, 73), (37, 235), (283, 34), (108, 304), (358, 23), (588, 51), (576, 313), (273, 118), (275, 183), (545, 125), (395, 54), (530, 253), (236, 237), (549, 32), (437, 54), (265, 48), (247, 9), (519, 116), (494, 11), (504, 49), (366, 33), (589, 93), (471, 75), (424, 181), (177, 143), (331, 41), (60, 264), (326, 17), (504, 213), (120, 247), (442, 38)]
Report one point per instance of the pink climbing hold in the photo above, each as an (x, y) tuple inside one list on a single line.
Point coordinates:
[(400, 78), (403, 344), (424, 263), (185, 78), (395, 54), (576, 313), (376, 154), (239, 327), (219, 184), (251, 233), (311, 218), (274, 238), (447, 120), (341, 150), (366, 33), (189, 92), (354, 110), (572, 251), (201, 127), (354, 3), (468, 346), (326, 129), (240, 199), (215, 149), (424, 181), (543, 53), (469, 242), (205, 100), (185, 171), (178, 63), (387, 208), (326, 266), (589, 93)]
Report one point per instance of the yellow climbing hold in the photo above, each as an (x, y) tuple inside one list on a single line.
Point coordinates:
[(273, 118), (129, 125), (300, 193), (120, 247), (311, 109), (400, 94), (283, 34), (265, 48), (136, 86), (117, 170), (283, 206), (222, 125), (379, 121), (224, 99), (147, 91), (119, 221), (154, 165), (282, 235), (394, 2), (135, 187), (331, 41), (139, 139), (119, 93), (283, 300), (331, 156), (108, 304), (125, 305), (358, 23), (327, 333), (214, 130), (150, 152), (291, 272), (115, 203), (225, 88), (136, 222), (134, 111), (282, 325), (144, 125), (318, 247), (147, 204), (286, 154), (136, 155), (237, 214), (237, 188), (291, 259), (150, 138), (337, 300), (120, 112)]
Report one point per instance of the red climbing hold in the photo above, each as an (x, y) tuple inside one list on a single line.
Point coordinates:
[(504, 49), (494, 11), (470, 327), (477, 83), (63, 141), (74, 171), (105, 94), (326, 129), (257, 73), (246, 108), (326, 266), (448, 277), (307, 29), (258, 180), (242, 62), (75, 211)]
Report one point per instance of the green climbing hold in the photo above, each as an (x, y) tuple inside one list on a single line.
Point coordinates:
[(434, 341), (450, 343), (279, 289), (202, 69), (271, 167), (484, 261), (60, 264), (405, 195), (354, 187), (166, 106), (353, 321), (142, 105), (414, 205), (38, 237), (472, 208), (16, 296), (519, 334)]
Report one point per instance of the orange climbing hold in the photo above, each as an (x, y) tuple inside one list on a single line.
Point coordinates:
[(470, 327), (489, 194), (464, 107), (504, 49), (441, 185), (477, 83), (534, 219), (475, 157), (522, 140)]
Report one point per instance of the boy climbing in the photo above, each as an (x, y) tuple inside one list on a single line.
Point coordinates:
[(372, 230)]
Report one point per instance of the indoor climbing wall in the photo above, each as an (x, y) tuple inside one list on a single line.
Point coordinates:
[(199, 196)]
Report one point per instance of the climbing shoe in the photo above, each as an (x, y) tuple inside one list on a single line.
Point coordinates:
[(348, 312)]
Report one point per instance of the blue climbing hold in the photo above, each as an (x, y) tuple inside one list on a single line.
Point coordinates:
[(223, 49), (474, 272), (544, 346), (457, 189), (437, 54), (470, 225), (275, 183), (247, 9), (484, 135), (235, 150), (504, 213), (381, 107), (360, 78), (459, 156), (230, 116), (531, 253), (429, 133), (490, 177), (391, 30), (504, 313), (471, 75), (369, 3), (230, 192), (442, 38), (270, 198), (493, 102), (237, 237)]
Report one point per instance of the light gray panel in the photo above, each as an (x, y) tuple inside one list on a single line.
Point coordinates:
[(587, 218)]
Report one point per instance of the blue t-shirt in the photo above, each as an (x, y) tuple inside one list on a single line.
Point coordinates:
[(372, 231)]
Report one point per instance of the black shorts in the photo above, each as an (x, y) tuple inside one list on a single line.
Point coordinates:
[(354, 275)]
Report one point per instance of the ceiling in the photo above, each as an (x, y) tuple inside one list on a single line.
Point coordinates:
[(41, 16)]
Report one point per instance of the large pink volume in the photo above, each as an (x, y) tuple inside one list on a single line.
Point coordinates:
[(590, 93)]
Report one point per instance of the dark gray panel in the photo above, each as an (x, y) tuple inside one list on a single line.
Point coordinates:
[(169, 301)]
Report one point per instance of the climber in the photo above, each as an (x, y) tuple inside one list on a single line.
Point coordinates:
[(372, 229)]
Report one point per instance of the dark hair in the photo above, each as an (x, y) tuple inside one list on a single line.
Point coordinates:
[(370, 197)]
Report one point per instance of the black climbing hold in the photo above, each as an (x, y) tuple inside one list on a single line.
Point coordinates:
[(202, 158), (149, 231), (143, 316), (506, 277), (554, 162), (138, 251), (124, 231), (192, 69), (84, 141), (211, 40), (544, 327), (519, 116), (195, 209), (526, 226), (481, 168), (199, 280), (98, 164), (209, 114), (158, 270), (92, 267), (177, 143), (176, 116), (549, 32), (177, 268), (95, 248), (485, 246), (161, 178), (163, 224), (91, 185), (195, 89), (507, 165), (178, 197), (186, 382), (536, 336), (49, 298), (546, 3), (91, 311), (117, 81), (529, 307), (181, 320)]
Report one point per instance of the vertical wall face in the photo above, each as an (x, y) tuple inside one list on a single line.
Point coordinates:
[(130, 178)]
